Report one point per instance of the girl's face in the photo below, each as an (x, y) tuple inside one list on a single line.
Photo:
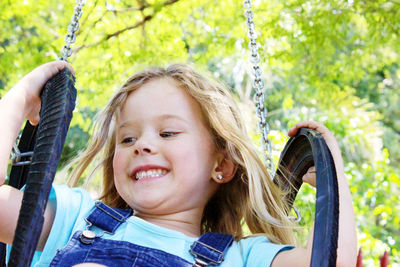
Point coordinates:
[(164, 155)]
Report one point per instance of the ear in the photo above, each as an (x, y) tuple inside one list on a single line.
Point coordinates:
[(224, 169)]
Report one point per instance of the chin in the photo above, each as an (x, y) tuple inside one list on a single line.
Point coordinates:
[(148, 205)]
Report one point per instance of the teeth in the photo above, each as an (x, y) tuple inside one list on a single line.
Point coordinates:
[(150, 174)]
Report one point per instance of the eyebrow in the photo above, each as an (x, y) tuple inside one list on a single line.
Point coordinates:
[(159, 118)]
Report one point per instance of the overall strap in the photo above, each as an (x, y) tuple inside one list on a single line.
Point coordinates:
[(210, 248), (106, 218)]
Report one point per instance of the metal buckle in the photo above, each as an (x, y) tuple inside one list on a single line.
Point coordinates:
[(16, 156), (200, 262), (121, 218), (87, 236), (296, 218)]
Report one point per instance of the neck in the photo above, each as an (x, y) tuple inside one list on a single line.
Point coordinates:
[(186, 222)]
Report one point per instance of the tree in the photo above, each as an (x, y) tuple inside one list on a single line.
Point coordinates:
[(335, 62)]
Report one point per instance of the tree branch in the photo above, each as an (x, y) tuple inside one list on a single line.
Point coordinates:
[(136, 25), (86, 18), (115, 34), (141, 4), (94, 25)]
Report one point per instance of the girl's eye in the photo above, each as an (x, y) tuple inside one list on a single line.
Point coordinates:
[(128, 140), (168, 134)]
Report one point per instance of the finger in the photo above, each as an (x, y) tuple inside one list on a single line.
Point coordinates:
[(35, 121), (306, 178), (310, 177), (293, 131), (319, 127), (39, 76), (52, 68), (313, 125), (61, 64)]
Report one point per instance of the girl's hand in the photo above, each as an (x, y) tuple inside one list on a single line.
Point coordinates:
[(319, 127), (22, 101), (310, 177), (326, 134), (330, 141), (30, 86)]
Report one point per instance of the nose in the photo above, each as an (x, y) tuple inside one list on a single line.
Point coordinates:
[(143, 147)]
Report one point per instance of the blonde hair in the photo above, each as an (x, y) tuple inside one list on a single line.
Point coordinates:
[(250, 198)]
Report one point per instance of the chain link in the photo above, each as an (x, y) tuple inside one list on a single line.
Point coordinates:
[(258, 86), (70, 38)]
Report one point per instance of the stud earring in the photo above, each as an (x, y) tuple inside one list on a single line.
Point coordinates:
[(219, 177)]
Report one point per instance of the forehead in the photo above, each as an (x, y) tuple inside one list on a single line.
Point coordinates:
[(160, 98)]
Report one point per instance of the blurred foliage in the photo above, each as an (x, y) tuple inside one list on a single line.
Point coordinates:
[(332, 61)]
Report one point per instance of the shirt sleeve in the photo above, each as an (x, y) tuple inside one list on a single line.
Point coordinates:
[(72, 205), (259, 251)]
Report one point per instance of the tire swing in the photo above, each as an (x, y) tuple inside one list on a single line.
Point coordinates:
[(38, 153), (306, 149), (40, 147)]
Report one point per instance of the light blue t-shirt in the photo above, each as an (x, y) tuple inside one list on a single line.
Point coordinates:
[(73, 205)]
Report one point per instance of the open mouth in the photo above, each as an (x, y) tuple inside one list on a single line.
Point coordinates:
[(153, 173)]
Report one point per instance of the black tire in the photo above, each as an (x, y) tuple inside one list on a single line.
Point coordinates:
[(58, 102), (306, 149)]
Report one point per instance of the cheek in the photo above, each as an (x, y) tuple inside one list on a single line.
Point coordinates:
[(118, 162), (196, 161)]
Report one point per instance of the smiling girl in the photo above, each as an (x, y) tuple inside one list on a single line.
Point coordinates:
[(180, 180)]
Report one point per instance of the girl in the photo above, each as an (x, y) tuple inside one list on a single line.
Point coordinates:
[(177, 165)]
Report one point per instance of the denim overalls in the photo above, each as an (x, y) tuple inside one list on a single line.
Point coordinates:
[(85, 246)]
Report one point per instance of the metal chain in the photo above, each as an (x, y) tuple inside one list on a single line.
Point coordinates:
[(66, 50), (258, 86)]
